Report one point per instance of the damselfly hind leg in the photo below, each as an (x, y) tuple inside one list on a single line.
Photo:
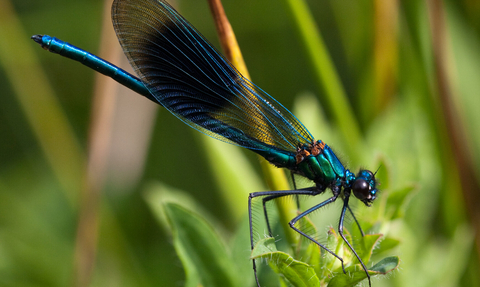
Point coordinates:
[(268, 196)]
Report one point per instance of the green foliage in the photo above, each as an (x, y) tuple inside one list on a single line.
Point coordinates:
[(203, 255), (296, 272), (315, 272), (207, 262)]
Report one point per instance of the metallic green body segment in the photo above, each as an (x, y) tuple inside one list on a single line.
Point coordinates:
[(317, 168), (305, 168), (326, 168), (335, 163)]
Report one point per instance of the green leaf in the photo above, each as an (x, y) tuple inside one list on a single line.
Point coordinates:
[(356, 274), (157, 194), (240, 252), (368, 244), (364, 246), (263, 246), (316, 260), (333, 240), (398, 201), (385, 265), (201, 251), (349, 279), (296, 272), (386, 245)]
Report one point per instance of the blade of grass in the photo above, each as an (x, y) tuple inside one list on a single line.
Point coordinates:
[(462, 155), (328, 82), (39, 104)]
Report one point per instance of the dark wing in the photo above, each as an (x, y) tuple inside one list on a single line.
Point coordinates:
[(191, 79)]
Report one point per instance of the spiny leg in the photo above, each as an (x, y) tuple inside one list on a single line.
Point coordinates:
[(295, 188), (269, 196), (340, 231), (308, 191), (356, 221), (265, 213), (293, 221)]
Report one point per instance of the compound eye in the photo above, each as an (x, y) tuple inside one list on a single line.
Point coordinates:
[(361, 189)]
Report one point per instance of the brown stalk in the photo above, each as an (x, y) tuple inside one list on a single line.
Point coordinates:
[(458, 139)]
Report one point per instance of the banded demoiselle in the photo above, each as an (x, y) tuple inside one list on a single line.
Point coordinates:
[(180, 70)]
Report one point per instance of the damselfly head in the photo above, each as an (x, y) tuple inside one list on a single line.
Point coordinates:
[(364, 187)]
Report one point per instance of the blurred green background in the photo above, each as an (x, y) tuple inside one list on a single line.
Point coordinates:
[(410, 70)]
